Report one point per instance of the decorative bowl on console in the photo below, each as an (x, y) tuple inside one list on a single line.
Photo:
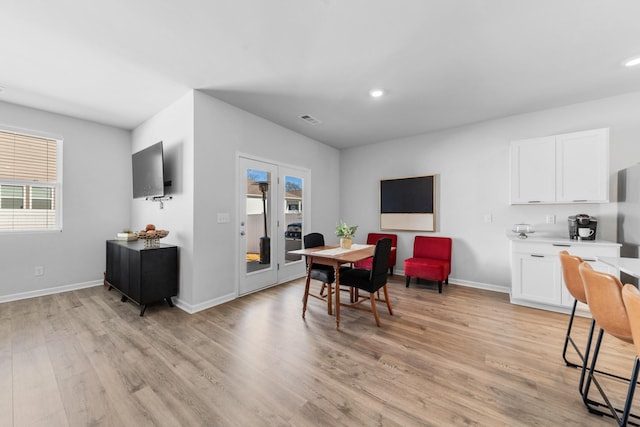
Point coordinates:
[(152, 236)]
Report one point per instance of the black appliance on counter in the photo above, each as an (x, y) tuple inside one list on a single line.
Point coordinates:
[(582, 227)]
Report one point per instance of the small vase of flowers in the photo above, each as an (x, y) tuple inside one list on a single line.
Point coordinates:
[(346, 233)]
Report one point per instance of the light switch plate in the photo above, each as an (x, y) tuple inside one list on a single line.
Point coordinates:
[(223, 218)]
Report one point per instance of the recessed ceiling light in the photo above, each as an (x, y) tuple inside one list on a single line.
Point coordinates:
[(631, 62), (376, 93)]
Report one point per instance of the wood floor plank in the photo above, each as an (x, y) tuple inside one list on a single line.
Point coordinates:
[(463, 357), (6, 369)]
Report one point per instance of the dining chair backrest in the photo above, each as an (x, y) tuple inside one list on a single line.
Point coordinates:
[(571, 275), (313, 240), (380, 264), (604, 296)]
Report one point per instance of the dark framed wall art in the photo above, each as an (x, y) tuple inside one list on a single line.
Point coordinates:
[(408, 203)]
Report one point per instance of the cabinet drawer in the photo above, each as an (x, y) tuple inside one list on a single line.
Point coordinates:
[(539, 248), (583, 250)]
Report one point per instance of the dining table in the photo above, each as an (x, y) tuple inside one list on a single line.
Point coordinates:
[(335, 256)]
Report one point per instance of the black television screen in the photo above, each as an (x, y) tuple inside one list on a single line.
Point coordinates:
[(148, 172), (407, 195)]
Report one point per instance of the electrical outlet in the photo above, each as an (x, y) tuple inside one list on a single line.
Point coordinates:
[(551, 219), (38, 271), (488, 219)]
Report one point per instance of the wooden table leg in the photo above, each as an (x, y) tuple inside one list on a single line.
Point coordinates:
[(306, 289), (329, 300), (337, 292)]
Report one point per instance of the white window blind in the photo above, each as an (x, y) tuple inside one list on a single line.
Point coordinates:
[(29, 182)]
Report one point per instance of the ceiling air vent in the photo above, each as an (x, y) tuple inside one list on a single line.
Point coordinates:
[(310, 119)]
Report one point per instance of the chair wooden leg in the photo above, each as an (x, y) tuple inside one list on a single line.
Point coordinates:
[(372, 299), (386, 298), (322, 288), (305, 297), (408, 280), (439, 286)]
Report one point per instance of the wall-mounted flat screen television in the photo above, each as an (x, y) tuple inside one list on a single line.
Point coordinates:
[(148, 172), (408, 203)]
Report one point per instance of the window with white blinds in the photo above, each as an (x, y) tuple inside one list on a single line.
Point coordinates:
[(30, 184)]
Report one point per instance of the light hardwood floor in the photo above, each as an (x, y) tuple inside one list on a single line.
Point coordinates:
[(463, 357)]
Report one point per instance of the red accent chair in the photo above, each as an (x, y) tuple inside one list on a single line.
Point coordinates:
[(431, 260), (372, 239)]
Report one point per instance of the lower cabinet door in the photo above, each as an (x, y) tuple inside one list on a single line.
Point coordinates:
[(537, 278)]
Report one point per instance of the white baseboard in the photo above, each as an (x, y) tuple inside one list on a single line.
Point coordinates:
[(50, 291), (194, 308), (479, 285), (470, 284)]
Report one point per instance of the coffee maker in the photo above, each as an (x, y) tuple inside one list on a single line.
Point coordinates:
[(582, 227)]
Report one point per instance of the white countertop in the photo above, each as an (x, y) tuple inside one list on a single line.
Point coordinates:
[(557, 240), (630, 266)]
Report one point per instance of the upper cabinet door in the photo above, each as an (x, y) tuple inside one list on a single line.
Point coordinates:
[(582, 162), (533, 170), (567, 168)]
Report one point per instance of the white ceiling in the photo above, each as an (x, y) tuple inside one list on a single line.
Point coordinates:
[(443, 62)]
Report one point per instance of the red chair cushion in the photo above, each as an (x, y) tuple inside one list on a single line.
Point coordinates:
[(429, 269)]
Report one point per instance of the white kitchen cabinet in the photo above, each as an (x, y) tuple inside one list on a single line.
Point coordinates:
[(533, 170), (536, 271), (567, 168), (582, 166)]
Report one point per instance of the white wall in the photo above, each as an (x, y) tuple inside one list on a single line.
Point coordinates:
[(202, 136), (472, 164), (221, 132), (174, 127), (96, 205)]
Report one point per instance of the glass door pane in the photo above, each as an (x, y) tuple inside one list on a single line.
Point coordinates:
[(258, 218), (293, 217)]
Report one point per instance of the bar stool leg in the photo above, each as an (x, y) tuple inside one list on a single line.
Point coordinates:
[(630, 392)]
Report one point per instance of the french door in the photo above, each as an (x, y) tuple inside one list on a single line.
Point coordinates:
[(270, 221)]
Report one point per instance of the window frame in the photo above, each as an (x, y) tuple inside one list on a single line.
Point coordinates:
[(56, 186)]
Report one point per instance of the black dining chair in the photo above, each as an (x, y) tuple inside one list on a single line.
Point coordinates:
[(370, 280), (320, 272)]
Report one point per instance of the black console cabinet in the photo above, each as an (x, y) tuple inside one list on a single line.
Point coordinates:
[(144, 275)]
